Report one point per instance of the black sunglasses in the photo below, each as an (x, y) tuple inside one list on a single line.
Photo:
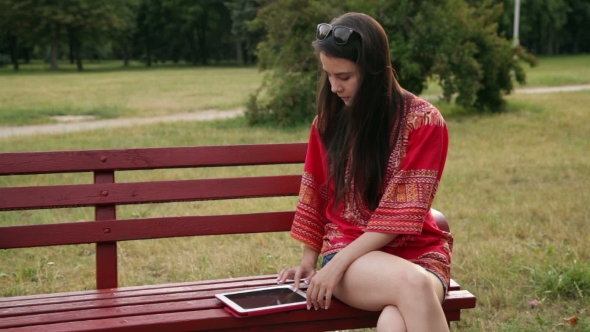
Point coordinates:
[(340, 34)]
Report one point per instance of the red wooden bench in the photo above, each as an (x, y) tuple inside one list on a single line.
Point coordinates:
[(168, 307)]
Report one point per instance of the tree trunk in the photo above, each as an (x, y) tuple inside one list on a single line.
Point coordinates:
[(27, 55), (193, 47), (202, 37), (13, 45), (148, 48), (203, 52), (249, 59), (125, 50), (54, 45), (576, 48), (550, 42), (72, 46), (78, 54), (240, 53)]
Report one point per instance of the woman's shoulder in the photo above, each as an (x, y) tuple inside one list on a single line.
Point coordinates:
[(421, 112)]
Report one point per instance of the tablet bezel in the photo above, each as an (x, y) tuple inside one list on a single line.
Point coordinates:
[(240, 311)]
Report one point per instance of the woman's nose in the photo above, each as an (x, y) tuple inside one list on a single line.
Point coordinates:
[(336, 88)]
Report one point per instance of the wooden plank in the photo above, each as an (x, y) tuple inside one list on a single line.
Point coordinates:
[(441, 220), (145, 228), (459, 299), (114, 299), (202, 320), (147, 192), (150, 158), (69, 306), (343, 323), (339, 316), (120, 311), (106, 252), (206, 285), (12, 300)]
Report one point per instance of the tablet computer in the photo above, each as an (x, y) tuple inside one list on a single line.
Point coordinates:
[(262, 301)]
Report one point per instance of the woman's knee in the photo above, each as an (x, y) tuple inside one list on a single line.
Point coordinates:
[(391, 320), (417, 280)]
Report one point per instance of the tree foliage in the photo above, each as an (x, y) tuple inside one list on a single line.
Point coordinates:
[(447, 40), (547, 26), (200, 31), (47, 21)]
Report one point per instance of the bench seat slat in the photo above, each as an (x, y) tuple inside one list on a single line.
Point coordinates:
[(146, 228), (150, 158), (101, 313), (135, 301), (115, 299), (210, 318), (39, 197), (125, 290), (42, 299)]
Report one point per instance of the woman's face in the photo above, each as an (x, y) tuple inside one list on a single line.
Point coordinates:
[(343, 75)]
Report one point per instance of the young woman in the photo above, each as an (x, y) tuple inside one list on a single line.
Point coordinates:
[(375, 157)]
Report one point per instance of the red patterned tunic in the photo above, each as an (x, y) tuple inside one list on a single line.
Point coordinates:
[(414, 171)]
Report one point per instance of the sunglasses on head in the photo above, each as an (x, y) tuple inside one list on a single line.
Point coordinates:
[(340, 34)]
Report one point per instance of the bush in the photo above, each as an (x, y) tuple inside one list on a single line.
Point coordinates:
[(289, 100), (448, 40)]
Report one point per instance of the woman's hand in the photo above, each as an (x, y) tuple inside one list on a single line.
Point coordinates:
[(320, 289), (303, 271), (306, 269)]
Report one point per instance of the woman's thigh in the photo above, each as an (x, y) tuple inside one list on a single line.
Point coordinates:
[(378, 279)]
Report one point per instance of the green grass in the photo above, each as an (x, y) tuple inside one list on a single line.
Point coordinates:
[(560, 70), (108, 90), (35, 94), (515, 188), (550, 71), (515, 191)]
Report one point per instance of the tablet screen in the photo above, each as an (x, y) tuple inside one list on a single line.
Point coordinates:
[(266, 298)]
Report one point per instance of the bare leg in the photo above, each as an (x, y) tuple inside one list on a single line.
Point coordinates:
[(391, 320), (379, 280)]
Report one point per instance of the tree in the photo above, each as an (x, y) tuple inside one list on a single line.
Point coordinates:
[(49, 20), (242, 13), (547, 26), (175, 29), (16, 22), (446, 40)]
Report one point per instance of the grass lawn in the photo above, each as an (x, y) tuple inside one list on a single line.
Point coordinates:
[(515, 191), (34, 95), (108, 90), (550, 71)]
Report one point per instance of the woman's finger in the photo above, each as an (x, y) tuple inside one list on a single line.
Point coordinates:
[(328, 299), (320, 299), (297, 277), (311, 289), (284, 275)]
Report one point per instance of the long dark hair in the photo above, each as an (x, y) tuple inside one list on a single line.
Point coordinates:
[(358, 137)]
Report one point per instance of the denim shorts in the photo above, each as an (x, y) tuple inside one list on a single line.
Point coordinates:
[(329, 257)]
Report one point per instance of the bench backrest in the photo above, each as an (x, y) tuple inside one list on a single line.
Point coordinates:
[(105, 194)]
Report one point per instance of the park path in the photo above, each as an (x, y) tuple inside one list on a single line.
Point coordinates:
[(207, 115)]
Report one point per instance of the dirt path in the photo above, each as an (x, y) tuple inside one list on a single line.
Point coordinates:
[(113, 123), (197, 116)]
